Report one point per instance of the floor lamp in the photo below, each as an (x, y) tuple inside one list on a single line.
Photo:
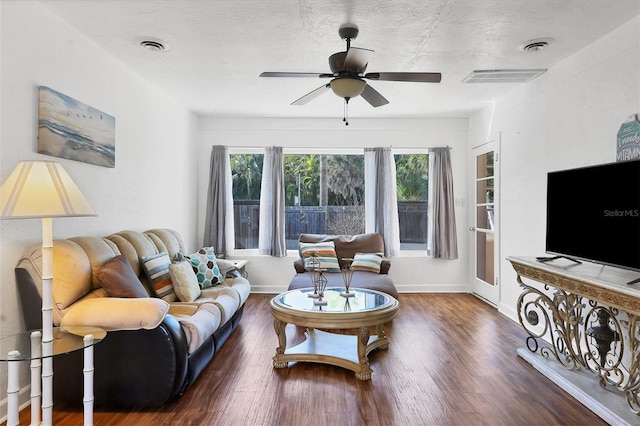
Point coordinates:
[(43, 189)]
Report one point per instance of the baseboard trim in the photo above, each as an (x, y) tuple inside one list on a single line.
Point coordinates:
[(268, 289), (24, 399), (608, 403), (508, 311), (433, 288)]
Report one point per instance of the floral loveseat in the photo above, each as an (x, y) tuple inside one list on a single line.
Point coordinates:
[(370, 268), (128, 284)]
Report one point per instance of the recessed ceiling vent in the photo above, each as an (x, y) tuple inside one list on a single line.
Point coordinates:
[(153, 44), (535, 45), (502, 76)]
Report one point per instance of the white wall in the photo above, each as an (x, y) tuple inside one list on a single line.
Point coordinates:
[(155, 142), (411, 274), (565, 118), (568, 117)]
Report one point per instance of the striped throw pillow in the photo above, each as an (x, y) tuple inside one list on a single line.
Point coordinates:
[(156, 268), (325, 252), (367, 262)]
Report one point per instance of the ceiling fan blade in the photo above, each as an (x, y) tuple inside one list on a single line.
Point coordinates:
[(372, 96), (311, 95), (296, 74), (418, 77), (357, 59)]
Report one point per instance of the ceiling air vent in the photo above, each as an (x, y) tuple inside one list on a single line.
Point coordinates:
[(502, 76), (535, 45), (153, 44)]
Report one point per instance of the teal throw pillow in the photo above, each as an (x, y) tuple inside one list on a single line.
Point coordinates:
[(205, 267)]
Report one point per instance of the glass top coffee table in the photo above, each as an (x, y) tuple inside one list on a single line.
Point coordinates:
[(360, 312)]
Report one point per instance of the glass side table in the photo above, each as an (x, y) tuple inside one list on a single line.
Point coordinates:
[(28, 346)]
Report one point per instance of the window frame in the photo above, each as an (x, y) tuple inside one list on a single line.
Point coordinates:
[(409, 151), (236, 150)]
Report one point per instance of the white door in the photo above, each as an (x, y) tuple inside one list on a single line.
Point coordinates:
[(485, 225)]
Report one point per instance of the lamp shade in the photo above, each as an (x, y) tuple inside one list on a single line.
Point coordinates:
[(347, 87), (37, 189)]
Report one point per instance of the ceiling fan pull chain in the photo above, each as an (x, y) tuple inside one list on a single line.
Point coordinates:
[(346, 112)]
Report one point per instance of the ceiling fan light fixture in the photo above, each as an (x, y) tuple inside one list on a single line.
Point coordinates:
[(347, 87)]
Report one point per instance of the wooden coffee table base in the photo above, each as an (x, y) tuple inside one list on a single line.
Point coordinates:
[(366, 312), (346, 351)]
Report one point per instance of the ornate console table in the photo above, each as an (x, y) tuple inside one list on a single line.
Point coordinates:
[(584, 326)]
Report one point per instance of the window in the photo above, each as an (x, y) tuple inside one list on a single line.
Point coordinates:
[(412, 173), (246, 173), (324, 194)]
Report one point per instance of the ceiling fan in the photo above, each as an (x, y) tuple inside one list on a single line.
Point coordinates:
[(348, 74)]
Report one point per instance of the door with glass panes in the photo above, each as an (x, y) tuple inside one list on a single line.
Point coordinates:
[(485, 227)]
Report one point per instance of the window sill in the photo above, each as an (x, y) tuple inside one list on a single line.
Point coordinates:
[(294, 253), (412, 253), (256, 253)]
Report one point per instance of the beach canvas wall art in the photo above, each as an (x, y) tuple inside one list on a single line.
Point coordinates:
[(73, 130)]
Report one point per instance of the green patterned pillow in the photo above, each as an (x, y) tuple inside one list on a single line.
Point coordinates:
[(205, 266), (156, 268), (325, 252)]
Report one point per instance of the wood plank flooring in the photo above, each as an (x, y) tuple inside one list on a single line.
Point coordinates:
[(452, 361)]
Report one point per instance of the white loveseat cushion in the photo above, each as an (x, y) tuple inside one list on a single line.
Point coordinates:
[(240, 285), (198, 321), (225, 298)]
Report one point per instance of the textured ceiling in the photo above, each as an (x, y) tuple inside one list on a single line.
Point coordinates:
[(218, 48)]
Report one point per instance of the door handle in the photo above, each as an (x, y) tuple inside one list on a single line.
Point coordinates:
[(473, 228)]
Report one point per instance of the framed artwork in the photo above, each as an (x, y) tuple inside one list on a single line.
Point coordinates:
[(73, 130)]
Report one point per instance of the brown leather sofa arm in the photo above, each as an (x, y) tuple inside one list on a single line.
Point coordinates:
[(385, 266), (299, 265)]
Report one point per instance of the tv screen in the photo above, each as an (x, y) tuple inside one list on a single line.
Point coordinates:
[(593, 214)]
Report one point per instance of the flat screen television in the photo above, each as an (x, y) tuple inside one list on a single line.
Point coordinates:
[(593, 214)]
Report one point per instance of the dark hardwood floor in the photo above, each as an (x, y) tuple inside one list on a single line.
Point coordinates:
[(452, 361)]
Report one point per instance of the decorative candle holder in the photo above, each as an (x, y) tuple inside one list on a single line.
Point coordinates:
[(319, 284), (312, 264), (347, 305), (347, 274)]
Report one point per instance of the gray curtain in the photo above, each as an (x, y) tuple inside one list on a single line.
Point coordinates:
[(219, 227), (271, 240), (381, 200), (442, 241)]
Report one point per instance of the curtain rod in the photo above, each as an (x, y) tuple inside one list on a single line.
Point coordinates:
[(333, 148)]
